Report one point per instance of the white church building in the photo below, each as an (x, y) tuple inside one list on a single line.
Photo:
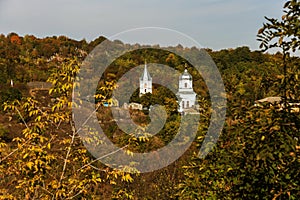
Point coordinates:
[(145, 82), (185, 95)]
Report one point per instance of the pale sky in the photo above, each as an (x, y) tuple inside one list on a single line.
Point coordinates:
[(215, 24)]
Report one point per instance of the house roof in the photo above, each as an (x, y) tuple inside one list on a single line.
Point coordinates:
[(270, 100)]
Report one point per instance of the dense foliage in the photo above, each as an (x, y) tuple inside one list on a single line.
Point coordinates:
[(256, 157)]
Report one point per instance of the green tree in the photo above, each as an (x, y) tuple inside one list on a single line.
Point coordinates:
[(258, 154), (285, 35)]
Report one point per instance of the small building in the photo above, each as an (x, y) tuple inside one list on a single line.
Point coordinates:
[(135, 106), (271, 100), (295, 107), (38, 86)]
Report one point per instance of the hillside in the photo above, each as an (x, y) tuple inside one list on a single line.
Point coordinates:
[(43, 155)]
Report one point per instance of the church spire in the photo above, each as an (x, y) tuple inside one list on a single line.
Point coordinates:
[(146, 75), (145, 81)]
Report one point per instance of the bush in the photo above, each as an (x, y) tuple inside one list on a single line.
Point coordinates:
[(3, 133), (9, 94)]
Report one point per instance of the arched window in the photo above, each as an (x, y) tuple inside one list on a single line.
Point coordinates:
[(182, 104), (187, 104), (185, 85)]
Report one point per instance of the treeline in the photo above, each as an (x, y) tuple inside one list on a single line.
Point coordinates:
[(28, 58)]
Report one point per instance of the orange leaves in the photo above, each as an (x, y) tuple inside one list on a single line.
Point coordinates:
[(15, 39)]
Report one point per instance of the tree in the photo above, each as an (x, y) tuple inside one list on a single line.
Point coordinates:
[(48, 161), (285, 35), (258, 155)]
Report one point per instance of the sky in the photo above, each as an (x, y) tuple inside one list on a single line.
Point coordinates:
[(215, 24)]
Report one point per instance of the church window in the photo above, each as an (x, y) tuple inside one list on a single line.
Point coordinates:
[(185, 85), (187, 104), (182, 104)]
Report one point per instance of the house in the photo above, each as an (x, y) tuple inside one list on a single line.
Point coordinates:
[(135, 106), (295, 107)]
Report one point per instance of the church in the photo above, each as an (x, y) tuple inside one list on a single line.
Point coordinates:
[(145, 82), (185, 95)]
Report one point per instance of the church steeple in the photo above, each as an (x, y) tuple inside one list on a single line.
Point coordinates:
[(145, 81), (146, 75), (186, 94)]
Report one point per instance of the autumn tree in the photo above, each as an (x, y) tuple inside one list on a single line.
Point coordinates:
[(258, 154), (48, 161), (284, 35)]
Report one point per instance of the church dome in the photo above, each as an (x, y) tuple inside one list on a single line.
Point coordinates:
[(185, 76)]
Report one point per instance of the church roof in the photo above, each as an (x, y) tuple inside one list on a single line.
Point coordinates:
[(185, 75), (146, 75)]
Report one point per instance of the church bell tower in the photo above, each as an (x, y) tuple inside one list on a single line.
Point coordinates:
[(186, 94), (145, 82)]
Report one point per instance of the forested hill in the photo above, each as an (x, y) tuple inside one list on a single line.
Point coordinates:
[(42, 156), (28, 58)]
